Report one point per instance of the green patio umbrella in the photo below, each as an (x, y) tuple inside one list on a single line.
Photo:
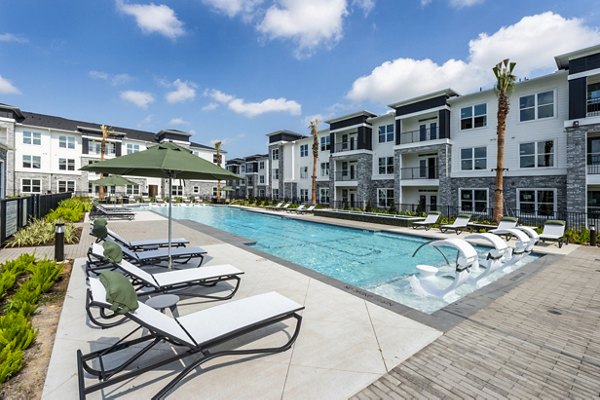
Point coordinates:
[(113, 180), (165, 160)]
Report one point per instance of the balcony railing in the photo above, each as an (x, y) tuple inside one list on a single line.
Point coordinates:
[(419, 173), (593, 107), (345, 146), (419, 135), (593, 163), (348, 175)]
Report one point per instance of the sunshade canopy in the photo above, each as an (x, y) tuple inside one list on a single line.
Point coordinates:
[(113, 180), (165, 160)]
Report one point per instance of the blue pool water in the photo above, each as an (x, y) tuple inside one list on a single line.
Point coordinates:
[(374, 261)]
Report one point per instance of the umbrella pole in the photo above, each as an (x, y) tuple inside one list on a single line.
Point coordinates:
[(170, 227)]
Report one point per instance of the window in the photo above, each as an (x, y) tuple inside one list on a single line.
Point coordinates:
[(31, 185), (324, 195), (324, 169), (217, 159), (385, 198), (386, 133), (32, 138), (325, 143), (132, 148), (275, 154), (304, 195), (386, 165), (304, 150), (133, 189), (66, 164), (261, 179), (66, 186), (94, 147), (473, 200), (261, 192), (66, 142), (276, 194), (196, 189), (276, 173), (536, 154), (214, 191), (261, 165), (537, 201), (34, 162), (303, 172), (536, 106), (176, 190), (473, 158), (473, 116)]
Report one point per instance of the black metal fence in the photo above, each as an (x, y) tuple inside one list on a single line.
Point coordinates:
[(15, 213)]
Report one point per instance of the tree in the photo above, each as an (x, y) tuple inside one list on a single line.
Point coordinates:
[(218, 162), (106, 133), (315, 150), (505, 78)]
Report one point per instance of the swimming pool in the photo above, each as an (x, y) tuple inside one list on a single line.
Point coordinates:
[(375, 261)]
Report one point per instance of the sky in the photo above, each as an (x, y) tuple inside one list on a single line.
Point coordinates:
[(235, 70)]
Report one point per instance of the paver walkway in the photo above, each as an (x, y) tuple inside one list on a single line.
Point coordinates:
[(540, 340)]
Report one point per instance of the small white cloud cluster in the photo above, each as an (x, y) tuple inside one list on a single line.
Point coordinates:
[(184, 91), (115, 80), (6, 87), (152, 18), (253, 109), (532, 43), (138, 98)]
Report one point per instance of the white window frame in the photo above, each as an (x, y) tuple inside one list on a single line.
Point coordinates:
[(473, 159), (385, 133), (261, 165), (31, 185), (69, 164), (132, 148), (473, 117), (31, 161), (382, 194), (303, 172), (176, 190), (67, 183), (68, 141), (132, 189), (196, 189), (325, 143), (536, 106), (473, 202), (304, 150), (536, 154), (32, 137), (325, 169), (275, 154), (323, 195), (536, 202), (387, 167), (304, 195), (261, 179), (275, 173), (275, 193)]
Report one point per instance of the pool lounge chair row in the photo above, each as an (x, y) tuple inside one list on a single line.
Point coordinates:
[(201, 336), (101, 211), (301, 209)]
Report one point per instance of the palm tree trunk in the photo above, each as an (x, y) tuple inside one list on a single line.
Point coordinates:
[(499, 193)]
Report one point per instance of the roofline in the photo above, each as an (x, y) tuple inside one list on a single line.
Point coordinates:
[(448, 92), (562, 60), (282, 131), (16, 110), (369, 114), (175, 131)]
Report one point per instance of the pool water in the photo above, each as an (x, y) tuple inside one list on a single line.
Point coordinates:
[(377, 262)]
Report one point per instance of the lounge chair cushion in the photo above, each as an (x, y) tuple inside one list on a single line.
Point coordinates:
[(99, 229), (112, 252), (101, 221), (119, 292)]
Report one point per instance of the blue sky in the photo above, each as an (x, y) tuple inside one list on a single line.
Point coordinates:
[(234, 70)]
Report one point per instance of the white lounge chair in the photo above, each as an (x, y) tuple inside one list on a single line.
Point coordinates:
[(204, 335), (554, 231), (275, 207), (506, 223), (432, 218), (148, 244), (298, 209), (459, 224), (158, 199), (307, 210)]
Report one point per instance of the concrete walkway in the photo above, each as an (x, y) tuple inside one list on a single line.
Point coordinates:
[(541, 340)]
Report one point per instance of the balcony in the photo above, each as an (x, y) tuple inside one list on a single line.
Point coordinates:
[(419, 135), (349, 175), (345, 146), (593, 163), (593, 107), (419, 173)]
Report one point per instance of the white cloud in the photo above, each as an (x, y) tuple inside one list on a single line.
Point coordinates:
[(309, 23), (532, 43), (178, 121), (152, 18), (425, 2), (365, 5), (210, 107), (6, 87), (253, 109), (184, 91), (232, 8), (115, 80), (140, 99), (464, 3), (11, 37)]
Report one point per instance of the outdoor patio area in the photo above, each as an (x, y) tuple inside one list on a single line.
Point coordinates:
[(535, 334)]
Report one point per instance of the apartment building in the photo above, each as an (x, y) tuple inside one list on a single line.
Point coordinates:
[(440, 149), (254, 171), (43, 154)]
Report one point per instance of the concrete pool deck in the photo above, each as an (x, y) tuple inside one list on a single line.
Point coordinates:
[(532, 336)]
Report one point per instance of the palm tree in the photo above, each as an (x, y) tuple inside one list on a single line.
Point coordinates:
[(218, 162), (106, 133), (503, 72), (315, 150)]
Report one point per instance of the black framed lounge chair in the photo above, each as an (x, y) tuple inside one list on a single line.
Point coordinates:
[(298, 209), (459, 224), (148, 244), (204, 335), (307, 210), (554, 231), (432, 218), (275, 207), (109, 213)]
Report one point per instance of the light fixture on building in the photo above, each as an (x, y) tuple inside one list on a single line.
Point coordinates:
[(575, 124)]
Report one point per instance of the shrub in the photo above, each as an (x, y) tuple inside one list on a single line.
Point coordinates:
[(41, 232)]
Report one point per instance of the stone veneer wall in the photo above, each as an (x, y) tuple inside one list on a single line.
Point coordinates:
[(11, 186), (382, 184), (364, 190), (576, 167), (3, 156)]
